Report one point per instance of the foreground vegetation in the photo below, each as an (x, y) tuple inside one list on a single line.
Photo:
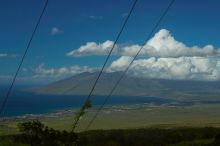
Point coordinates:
[(125, 125), (37, 134)]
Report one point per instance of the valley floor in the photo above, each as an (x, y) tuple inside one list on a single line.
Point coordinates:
[(126, 117)]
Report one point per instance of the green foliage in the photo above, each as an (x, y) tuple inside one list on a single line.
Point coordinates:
[(10, 142), (148, 137), (37, 134)]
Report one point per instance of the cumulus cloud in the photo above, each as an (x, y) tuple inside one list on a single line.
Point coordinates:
[(120, 64), (162, 44), (55, 31), (161, 57), (92, 48), (182, 68)]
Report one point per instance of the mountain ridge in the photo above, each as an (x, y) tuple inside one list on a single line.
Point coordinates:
[(81, 84)]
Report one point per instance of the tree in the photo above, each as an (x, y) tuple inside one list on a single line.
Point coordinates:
[(37, 134)]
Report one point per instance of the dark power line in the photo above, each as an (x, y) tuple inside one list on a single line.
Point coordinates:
[(22, 59), (83, 108), (125, 71)]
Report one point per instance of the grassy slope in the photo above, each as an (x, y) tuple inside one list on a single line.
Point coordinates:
[(123, 117)]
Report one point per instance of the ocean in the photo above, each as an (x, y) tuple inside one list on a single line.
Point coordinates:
[(22, 103)]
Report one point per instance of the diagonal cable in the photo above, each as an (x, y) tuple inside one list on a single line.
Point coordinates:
[(125, 71), (22, 59), (83, 108)]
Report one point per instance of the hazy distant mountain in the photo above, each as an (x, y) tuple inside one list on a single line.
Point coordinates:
[(133, 86)]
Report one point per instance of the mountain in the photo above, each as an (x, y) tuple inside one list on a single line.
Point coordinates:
[(133, 86)]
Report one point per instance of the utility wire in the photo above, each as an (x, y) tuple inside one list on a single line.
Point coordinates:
[(124, 73), (83, 108), (22, 60)]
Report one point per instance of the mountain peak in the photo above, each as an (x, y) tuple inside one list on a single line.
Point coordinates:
[(132, 86)]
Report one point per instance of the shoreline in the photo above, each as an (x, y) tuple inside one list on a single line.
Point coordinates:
[(71, 111)]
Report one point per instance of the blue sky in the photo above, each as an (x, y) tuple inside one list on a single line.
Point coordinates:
[(77, 22)]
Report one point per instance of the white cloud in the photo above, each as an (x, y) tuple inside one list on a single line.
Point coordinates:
[(80, 69), (183, 68), (56, 30), (43, 74), (92, 48), (6, 55), (162, 44), (41, 71), (120, 64), (161, 57)]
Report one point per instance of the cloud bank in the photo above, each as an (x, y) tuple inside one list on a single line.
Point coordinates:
[(41, 71), (162, 44), (181, 68), (161, 57)]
